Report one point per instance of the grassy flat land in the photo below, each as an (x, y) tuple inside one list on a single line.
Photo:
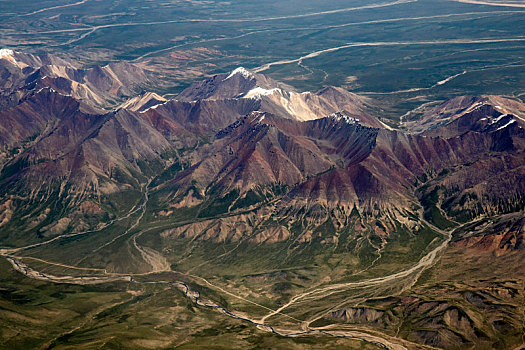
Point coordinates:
[(404, 53), (35, 314)]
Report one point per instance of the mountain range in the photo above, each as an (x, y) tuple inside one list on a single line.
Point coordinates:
[(239, 138), (243, 159)]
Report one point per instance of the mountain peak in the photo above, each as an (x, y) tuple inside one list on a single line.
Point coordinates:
[(143, 102), (6, 53), (341, 116), (235, 84), (258, 92), (468, 113), (240, 71)]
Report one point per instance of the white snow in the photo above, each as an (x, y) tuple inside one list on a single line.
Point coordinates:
[(50, 89), (498, 107), (154, 106), (347, 119), (494, 121), (475, 106), (504, 126), (259, 91), (5, 53), (47, 88), (241, 70), (8, 54), (261, 118)]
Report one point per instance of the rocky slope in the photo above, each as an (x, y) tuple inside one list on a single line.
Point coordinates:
[(278, 98), (242, 140), (22, 74), (245, 172)]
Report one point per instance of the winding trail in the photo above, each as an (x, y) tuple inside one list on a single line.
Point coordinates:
[(356, 335), (83, 280), (444, 81), (219, 20), (90, 29), (151, 257), (142, 208)]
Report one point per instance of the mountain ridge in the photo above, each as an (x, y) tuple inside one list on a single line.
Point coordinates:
[(337, 159), (305, 203)]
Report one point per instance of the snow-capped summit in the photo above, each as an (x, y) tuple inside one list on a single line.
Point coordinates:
[(18, 59), (338, 116), (235, 84), (4, 53), (7, 54), (242, 71), (257, 92)]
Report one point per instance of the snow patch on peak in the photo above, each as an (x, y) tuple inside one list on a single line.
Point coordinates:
[(154, 107), (50, 89), (259, 91), (347, 119), (9, 55), (475, 106), (6, 53), (241, 70), (259, 118), (495, 120), (504, 126)]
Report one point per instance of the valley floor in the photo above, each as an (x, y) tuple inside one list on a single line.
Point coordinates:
[(304, 315)]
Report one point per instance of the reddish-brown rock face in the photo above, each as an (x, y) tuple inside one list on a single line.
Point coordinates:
[(241, 140), (502, 236)]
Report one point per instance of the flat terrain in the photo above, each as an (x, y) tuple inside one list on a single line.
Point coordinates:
[(402, 52)]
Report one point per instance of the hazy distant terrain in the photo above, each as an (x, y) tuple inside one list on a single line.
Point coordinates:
[(404, 52)]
